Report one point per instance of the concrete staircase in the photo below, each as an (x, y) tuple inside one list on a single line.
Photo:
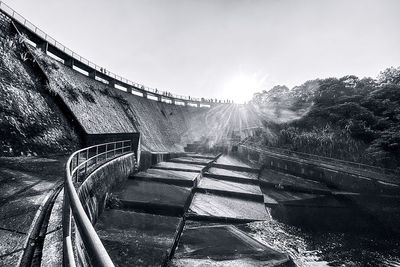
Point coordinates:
[(183, 212)]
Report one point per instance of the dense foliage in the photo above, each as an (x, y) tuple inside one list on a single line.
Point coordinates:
[(348, 118)]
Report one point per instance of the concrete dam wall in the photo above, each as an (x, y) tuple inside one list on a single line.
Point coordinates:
[(65, 102), (101, 109)]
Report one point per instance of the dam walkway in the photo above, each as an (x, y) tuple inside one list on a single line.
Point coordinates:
[(190, 210)]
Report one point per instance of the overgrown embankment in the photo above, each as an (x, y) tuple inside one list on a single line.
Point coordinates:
[(346, 118), (30, 122)]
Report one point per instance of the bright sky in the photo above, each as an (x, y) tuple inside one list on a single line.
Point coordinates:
[(225, 48)]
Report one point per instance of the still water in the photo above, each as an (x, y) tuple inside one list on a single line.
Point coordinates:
[(328, 249)]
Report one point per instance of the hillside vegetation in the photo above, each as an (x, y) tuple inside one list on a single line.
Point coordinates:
[(30, 123), (347, 118)]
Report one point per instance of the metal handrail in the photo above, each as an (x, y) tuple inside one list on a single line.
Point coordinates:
[(93, 245), (44, 36)]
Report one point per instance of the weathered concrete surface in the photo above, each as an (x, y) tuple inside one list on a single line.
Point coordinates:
[(148, 159), (182, 178), (342, 178), (191, 160), (11, 247), (11, 259), (224, 245), (93, 191), (228, 160), (230, 175), (153, 197), (146, 238), (136, 238), (164, 127), (282, 180), (178, 166), (280, 197), (24, 184), (229, 188), (53, 249), (213, 207), (52, 252), (201, 156)]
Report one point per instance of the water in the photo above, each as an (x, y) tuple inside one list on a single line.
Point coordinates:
[(328, 249)]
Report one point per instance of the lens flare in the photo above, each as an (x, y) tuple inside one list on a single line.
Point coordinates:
[(241, 87)]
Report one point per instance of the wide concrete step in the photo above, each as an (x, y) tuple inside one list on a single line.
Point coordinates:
[(228, 160), (224, 245), (202, 156), (275, 197), (231, 175), (173, 166), (272, 178), (153, 197), (228, 188), (137, 239), (236, 168), (180, 178), (191, 160), (211, 207)]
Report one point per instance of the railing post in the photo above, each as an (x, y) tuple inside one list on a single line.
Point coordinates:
[(97, 153), (115, 148), (77, 164), (87, 157), (106, 151)]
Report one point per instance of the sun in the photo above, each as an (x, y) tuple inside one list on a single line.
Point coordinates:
[(241, 87)]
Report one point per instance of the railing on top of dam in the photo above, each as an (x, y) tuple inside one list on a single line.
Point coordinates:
[(77, 168), (72, 59)]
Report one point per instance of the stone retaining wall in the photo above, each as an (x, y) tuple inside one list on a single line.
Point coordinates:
[(341, 180)]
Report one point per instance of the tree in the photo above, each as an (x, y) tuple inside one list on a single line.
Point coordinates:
[(390, 76)]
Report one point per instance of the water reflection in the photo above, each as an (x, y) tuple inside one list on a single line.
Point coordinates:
[(328, 249)]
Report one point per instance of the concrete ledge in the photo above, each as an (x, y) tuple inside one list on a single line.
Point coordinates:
[(232, 178), (94, 189), (52, 254), (235, 168), (180, 178), (175, 169), (224, 245), (245, 196), (148, 159), (138, 239), (293, 188), (342, 180)]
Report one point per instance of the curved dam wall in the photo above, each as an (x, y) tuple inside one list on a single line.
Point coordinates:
[(49, 106), (102, 109)]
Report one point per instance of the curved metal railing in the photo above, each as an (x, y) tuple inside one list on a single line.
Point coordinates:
[(41, 34), (79, 164)]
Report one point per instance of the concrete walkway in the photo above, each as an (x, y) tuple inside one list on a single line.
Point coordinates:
[(175, 211), (25, 186)]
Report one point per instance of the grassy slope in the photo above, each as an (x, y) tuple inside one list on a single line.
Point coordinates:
[(29, 121), (93, 103)]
